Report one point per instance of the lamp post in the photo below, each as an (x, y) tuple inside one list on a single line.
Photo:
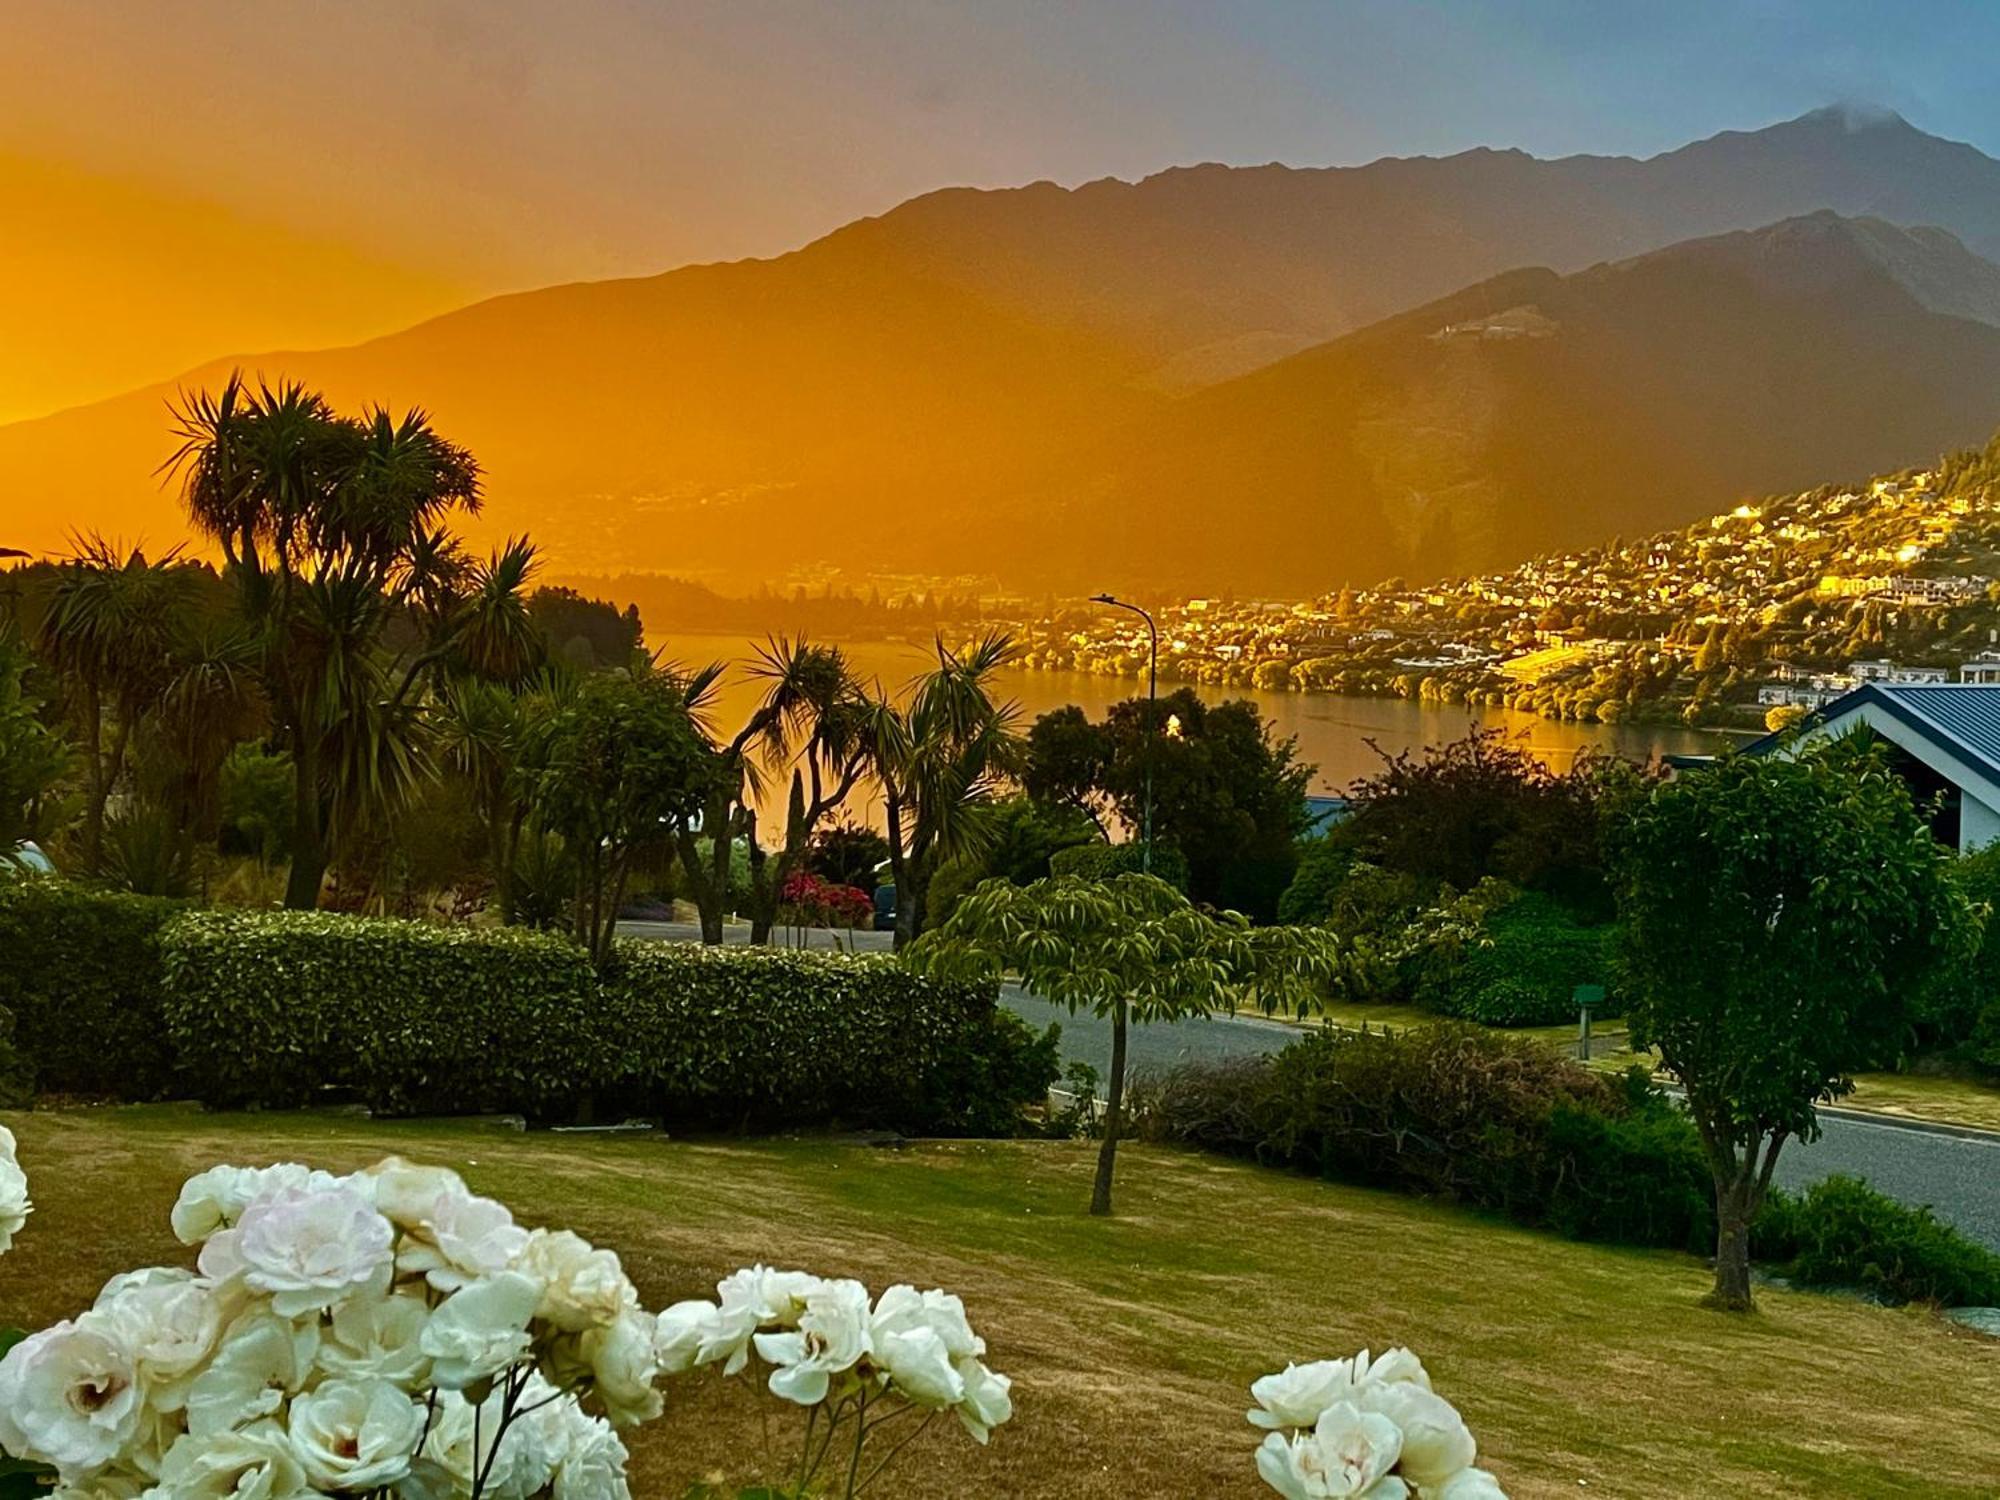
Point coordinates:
[(1152, 713)]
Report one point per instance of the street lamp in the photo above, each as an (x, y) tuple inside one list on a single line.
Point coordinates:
[(1152, 713)]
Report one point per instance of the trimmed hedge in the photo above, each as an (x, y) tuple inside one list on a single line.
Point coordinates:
[(728, 1036), (275, 1008), (279, 1009), (80, 971)]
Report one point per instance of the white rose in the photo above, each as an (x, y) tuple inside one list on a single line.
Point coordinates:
[(593, 1464), (14, 1204), (406, 1193), (1469, 1484), (904, 1307), (308, 1249), (215, 1199), (1395, 1365), (1348, 1453), (584, 1287), (831, 1338), (776, 1299), (171, 1324), (988, 1401), (355, 1434), (261, 1360), (623, 1368), (378, 1338), (461, 1239), (919, 1365), (463, 1447), (70, 1396), (1297, 1394), (545, 1425), (9, 1151), (480, 1329), (1436, 1441), (253, 1464)]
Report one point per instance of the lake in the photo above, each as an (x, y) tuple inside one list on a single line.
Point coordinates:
[(1333, 732)]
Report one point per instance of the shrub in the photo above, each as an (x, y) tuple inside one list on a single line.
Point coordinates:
[(1840, 1232), (726, 1036), (281, 1008), (79, 970), (275, 1008), (1458, 1113), (1522, 969), (1100, 861)]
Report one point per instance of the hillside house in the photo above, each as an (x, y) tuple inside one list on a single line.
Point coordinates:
[(1945, 740)]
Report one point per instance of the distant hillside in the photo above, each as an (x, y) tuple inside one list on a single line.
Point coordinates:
[(898, 391), (1536, 412)]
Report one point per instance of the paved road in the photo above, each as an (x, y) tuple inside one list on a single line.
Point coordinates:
[(1959, 1177)]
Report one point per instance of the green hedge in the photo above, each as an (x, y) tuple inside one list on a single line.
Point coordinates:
[(1527, 971), (277, 1008), (80, 972), (281, 1009), (734, 1036)]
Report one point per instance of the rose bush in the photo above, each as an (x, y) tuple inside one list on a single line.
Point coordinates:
[(854, 1363), (391, 1334), (1365, 1427), (386, 1333)]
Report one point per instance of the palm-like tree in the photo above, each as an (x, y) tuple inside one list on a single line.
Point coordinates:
[(333, 528), (809, 724), (110, 629), (942, 757)]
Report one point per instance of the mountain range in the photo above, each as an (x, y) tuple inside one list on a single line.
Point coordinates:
[(1266, 378)]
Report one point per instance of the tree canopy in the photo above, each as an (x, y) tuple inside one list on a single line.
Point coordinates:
[(1779, 915)]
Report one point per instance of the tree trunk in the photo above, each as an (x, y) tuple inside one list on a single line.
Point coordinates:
[(912, 892), (309, 853), (1732, 1249), (96, 791), (1114, 1116)]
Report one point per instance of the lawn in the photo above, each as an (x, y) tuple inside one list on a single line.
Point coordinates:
[(1583, 1370)]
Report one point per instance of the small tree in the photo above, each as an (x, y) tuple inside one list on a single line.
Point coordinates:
[(616, 768), (1127, 948), (1778, 916)]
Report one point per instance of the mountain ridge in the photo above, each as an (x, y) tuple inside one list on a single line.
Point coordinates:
[(924, 368)]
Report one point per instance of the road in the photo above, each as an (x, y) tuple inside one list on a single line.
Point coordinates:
[(1957, 1176)]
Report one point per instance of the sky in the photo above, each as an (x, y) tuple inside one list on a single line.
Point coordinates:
[(182, 181)]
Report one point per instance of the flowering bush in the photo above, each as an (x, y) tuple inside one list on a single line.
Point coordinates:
[(14, 1204), (854, 1364), (809, 901), (1362, 1427), (386, 1333)]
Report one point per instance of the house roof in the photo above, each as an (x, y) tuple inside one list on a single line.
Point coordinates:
[(1962, 718)]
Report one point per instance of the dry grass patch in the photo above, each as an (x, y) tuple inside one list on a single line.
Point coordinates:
[(1582, 1369)]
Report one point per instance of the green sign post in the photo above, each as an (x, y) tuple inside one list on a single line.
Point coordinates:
[(1585, 995)]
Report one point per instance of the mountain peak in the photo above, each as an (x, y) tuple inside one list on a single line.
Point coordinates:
[(1856, 116)]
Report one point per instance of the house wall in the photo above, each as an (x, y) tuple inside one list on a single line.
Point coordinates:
[(1979, 797), (1978, 824)]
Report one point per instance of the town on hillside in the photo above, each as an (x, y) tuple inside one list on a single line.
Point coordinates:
[(1748, 619)]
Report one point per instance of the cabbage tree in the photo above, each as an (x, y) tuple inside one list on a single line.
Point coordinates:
[(1130, 948)]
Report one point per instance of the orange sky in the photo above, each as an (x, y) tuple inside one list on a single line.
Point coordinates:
[(186, 179)]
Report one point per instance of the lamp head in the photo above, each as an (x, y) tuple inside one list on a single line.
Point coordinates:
[(1102, 599)]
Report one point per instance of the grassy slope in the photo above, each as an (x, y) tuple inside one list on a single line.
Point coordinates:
[(1131, 1342)]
